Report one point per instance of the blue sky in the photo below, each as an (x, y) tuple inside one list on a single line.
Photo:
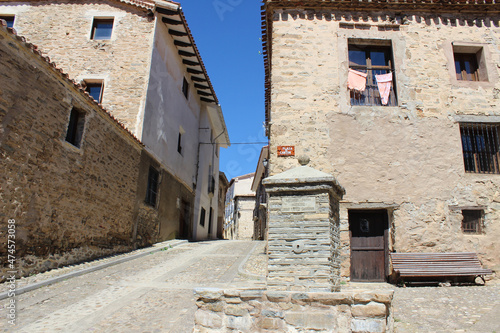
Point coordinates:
[(227, 33)]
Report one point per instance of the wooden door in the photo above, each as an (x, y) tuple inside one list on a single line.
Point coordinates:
[(368, 233)]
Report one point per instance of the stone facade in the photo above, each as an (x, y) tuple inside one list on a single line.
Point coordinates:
[(69, 203), (245, 206), (279, 311), (240, 203), (149, 58), (406, 159)]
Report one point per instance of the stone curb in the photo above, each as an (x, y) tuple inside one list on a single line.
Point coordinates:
[(246, 274), (155, 248)]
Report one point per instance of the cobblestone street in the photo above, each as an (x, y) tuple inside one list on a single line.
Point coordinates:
[(155, 294), (150, 294)]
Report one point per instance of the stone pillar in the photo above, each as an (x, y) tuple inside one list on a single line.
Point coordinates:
[(304, 231)]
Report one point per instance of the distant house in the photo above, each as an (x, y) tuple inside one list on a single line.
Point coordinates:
[(223, 186), (240, 203), (399, 100), (138, 59)]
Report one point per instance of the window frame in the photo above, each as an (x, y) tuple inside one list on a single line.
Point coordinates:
[(102, 20), (152, 187), (472, 221), (89, 83), (480, 147), (76, 127), (185, 88), (371, 92), (10, 19), (476, 57)]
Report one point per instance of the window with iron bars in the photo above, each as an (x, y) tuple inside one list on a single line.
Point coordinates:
[(472, 222), (373, 60), (480, 145)]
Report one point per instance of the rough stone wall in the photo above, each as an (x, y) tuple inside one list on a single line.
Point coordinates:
[(69, 204), (245, 206), (276, 311), (407, 157), (62, 30)]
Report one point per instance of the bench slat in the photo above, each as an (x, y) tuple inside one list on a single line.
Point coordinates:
[(438, 264)]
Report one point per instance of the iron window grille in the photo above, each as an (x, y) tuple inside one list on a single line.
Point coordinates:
[(480, 145), (472, 222), (373, 60), (76, 126), (152, 189)]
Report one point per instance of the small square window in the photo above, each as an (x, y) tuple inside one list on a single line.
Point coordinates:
[(472, 222), (469, 63), (95, 89), (9, 19), (202, 217), (102, 29), (76, 125), (481, 147), (185, 88), (152, 189)]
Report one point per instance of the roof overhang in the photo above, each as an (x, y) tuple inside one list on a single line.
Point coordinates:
[(259, 172), (217, 119), (172, 16)]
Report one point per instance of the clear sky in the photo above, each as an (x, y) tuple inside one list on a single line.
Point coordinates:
[(228, 33)]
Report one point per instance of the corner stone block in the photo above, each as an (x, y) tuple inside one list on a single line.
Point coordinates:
[(369, 310), (208, 319), (368, 325), (208, 294)]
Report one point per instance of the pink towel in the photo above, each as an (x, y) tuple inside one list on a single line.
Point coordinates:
[(384, 83), (356, 80)]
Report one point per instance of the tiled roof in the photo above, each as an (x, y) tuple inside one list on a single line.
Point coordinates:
[(406, 6), (174, 18), (64, 76)]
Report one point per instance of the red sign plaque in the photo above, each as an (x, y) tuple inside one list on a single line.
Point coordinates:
[(286, 151)]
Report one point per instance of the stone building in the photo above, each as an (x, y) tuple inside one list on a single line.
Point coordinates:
[(223, 185), (400, 102), (240, 203), (138, 59), (73, 180), (260, 210)]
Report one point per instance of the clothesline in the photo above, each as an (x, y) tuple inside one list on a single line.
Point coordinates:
[(356, 80)]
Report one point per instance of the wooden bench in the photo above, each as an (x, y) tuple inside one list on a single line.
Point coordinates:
[(437, 266)]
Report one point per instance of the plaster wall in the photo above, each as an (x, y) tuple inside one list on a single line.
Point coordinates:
[(244, 219), (62, 30), (408, 157), (168, 112)]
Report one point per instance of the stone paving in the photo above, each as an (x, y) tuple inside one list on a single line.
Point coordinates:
[(155, 294), (150, 294)]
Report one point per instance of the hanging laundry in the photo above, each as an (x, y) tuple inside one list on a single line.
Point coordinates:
[(356, 80), (384, 82)]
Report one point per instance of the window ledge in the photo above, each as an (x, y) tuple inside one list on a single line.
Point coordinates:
[(72, 147)]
